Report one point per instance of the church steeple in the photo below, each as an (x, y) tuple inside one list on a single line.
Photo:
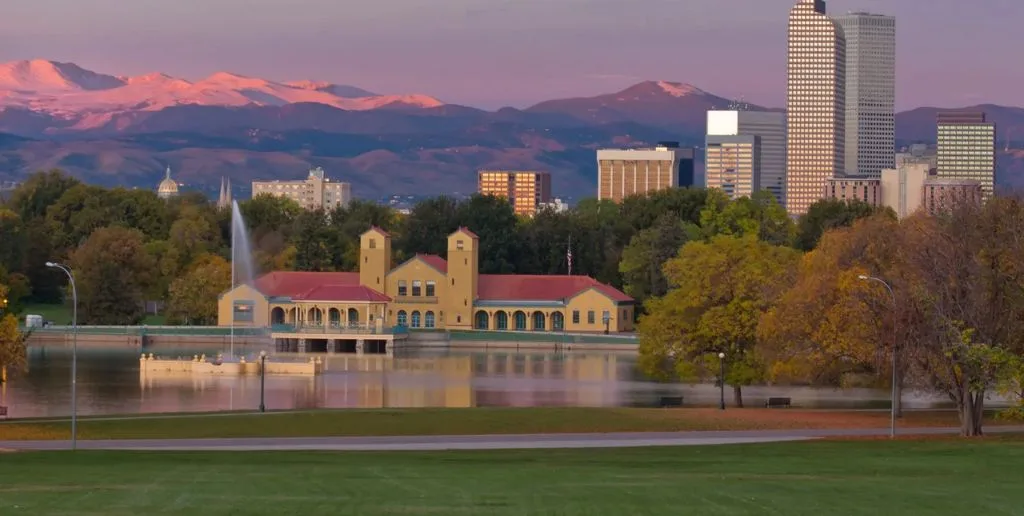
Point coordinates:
[(225, 193)]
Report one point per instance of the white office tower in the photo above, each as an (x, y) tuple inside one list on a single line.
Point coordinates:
[(746, 153), (870, 92)]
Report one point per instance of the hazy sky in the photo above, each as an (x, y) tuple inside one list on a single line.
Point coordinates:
[(514, 52)]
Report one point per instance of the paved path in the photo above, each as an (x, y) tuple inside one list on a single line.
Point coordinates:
[(481, 442)]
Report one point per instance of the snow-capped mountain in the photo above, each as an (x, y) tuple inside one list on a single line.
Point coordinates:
[(69, 91)]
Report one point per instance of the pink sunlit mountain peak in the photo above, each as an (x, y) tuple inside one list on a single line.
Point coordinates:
[(91, 99), (43, 75)]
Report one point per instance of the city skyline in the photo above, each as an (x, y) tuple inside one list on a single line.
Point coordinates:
[(522, 52)]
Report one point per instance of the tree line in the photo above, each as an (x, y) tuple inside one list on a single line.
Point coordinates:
[(954, 316), (129, 246)]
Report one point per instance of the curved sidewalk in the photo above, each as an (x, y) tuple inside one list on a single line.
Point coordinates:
[(482, 442)]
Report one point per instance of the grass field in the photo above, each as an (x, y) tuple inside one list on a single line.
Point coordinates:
[(61, 314), (849, 478), (462, 422)]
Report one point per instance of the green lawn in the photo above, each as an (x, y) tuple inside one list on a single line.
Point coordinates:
[(792, 479), (460, 422), (61, 314)]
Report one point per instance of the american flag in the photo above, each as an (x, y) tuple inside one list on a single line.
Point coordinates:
[(568, 255)]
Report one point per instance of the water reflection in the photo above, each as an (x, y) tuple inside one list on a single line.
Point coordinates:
[(110, 382)]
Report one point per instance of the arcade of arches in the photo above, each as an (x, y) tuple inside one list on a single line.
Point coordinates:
[(333, 316), (519, 320)]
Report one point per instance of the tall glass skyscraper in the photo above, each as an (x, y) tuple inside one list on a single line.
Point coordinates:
[(870, 92), (815, 104)]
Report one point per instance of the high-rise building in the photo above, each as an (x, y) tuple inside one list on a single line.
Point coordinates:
[(967, 148), (870, 92), (527, 191), (316, 191), (903, 188), (815, 104), (746, 153), (625, 172)]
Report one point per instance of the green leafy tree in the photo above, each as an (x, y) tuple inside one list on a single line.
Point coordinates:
[(192, 235), (426, 228), (193, 297), (719, 291), (646, 254), (759, 215), (315, 242), (350, 222), (493, 220), (827, 214), (33, 198), (113, 272), (12, 239)]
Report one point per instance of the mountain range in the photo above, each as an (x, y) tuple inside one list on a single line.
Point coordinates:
[(116, 130)]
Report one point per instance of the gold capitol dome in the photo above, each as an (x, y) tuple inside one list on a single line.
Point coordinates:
[(168, 187)]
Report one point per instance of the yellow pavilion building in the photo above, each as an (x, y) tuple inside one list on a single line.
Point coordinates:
[(426, 291)]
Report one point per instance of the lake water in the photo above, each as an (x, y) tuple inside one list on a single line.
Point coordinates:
[(110, 382)]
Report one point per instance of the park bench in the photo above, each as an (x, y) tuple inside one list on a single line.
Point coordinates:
[(777, 402), (671, 401), (3, 411)]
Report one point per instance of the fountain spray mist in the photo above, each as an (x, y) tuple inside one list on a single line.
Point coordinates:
[(242, 269)]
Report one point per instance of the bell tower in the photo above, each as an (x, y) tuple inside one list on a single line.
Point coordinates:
[(463, 277), (374, 258)]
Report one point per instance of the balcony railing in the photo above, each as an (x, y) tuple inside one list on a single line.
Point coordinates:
[(338, 328)]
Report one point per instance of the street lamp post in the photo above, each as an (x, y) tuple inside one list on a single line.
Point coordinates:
[(263, 380), (721, 381), (74, 351), (893, 395), (607, 319)]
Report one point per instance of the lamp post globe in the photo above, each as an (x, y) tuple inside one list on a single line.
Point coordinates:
[(263, 380), (721, 381)]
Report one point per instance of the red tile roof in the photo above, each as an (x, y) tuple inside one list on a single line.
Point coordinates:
[(466, 230), (434, 261), (377, 229), (291, 284), (342, 293), (513, 287)]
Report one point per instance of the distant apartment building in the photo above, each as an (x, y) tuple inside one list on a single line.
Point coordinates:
[(917, 154), (815, 104), (870, 89), (943, 194), (527, 191), (314, 192), (556, 205), (903, 188), (745, 152), (967, 148), (854, 188), (625, 172)]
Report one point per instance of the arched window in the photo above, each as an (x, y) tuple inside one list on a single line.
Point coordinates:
[(501, 320), (538, 321), (520, 321), (428, 320), (277, 315), (416, 319), (557, 321), (482, 320), (402, 318), (334, 316), (353, 316), (315, 317)]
